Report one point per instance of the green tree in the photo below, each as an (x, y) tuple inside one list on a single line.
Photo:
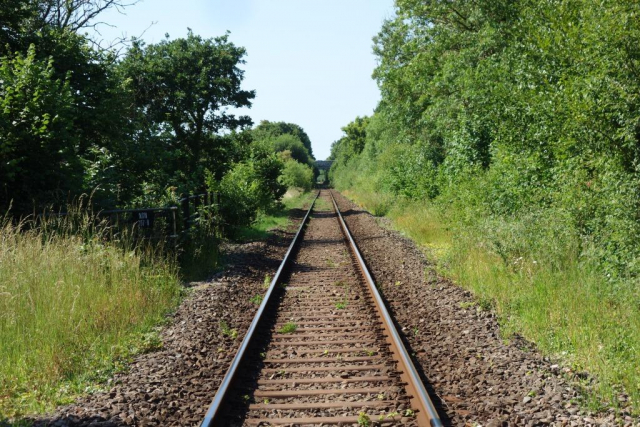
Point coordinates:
[(271, 130), (182, 88), (37, 156), (297, 175), (293, 146)]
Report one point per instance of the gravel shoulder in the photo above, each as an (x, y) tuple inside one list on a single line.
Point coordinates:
[(175, 385), (475, 377)]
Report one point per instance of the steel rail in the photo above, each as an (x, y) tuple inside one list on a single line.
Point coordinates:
[(420, 400), (212, 418)]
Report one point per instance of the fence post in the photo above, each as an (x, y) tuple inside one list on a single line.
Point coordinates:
[(185, 211), (175, 231)]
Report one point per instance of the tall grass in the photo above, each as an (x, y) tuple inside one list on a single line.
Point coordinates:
[(73, 307), (539, 278)]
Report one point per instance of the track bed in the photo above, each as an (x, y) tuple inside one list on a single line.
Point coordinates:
[(321, 354)]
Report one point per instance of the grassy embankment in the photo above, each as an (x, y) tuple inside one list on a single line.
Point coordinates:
[(549, 293), (73, 309), (276, 218)]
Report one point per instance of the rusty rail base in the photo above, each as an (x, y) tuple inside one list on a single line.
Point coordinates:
[(214, 413), (427, 413)]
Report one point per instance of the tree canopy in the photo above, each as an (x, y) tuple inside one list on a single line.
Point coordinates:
[(531, 103), (132, 130)]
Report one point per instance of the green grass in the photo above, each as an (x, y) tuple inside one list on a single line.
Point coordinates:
[(73, 309), (276, 218), (323, 205), (529, 270), (288, 328)]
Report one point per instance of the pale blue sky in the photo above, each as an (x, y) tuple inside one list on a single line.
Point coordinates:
[(310, 61)]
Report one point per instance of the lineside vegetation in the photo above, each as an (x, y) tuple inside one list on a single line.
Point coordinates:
[(507, 142), (73, 309)]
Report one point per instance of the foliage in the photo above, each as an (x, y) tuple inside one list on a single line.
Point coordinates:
[(182, 88), (492, 92), (35, 123), (276, 218), (297, 175), (249, 187), (293, 147), (90, 112), (271, 130), (516, 122)]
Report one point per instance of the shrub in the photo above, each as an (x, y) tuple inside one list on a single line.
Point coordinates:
[(249, 187), (296, 174)]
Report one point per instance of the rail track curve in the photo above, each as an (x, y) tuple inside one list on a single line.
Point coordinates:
[(322, 348)]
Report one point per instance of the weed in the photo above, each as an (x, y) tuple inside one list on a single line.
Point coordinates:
[(331, 263), (485, 304), (256, 299), (267, 282), (227, 331), (266, 401), (398, 283), (466, 304), (387, 416), (409, 413), (364, 420), (288, 328), (416, 331), (341, 305)]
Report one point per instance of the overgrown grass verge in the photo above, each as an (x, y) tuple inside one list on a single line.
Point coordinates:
[(73, 310), (276, 218), (536, 275)]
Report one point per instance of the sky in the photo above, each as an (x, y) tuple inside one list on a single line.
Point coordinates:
[(309, 61)]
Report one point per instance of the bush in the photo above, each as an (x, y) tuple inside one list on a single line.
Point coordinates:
[(297, 175), (248, 188)]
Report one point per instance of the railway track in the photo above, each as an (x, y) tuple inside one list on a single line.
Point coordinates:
[(322, 349)]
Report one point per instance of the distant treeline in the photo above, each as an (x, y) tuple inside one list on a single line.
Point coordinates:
[(510, 115), (135, 128)]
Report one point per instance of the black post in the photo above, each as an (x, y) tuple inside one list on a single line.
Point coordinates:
[(185, 211)]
